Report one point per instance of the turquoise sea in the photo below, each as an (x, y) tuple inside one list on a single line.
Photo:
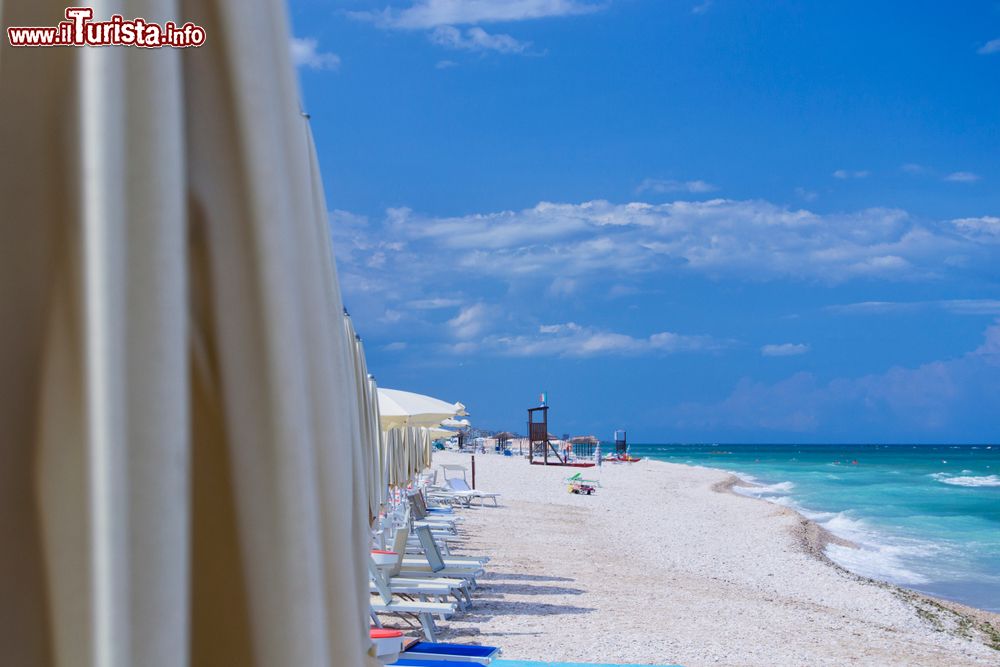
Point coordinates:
[(925, 516)]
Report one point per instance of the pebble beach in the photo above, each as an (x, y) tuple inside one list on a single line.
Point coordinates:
[(664, 564)]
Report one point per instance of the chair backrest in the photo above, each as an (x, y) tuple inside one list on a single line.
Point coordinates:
[(430, 547), (417, 505), (399, 546), (457, 484), (445, 467), (380, 583)]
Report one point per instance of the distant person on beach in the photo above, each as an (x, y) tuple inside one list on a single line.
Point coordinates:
[(597, 455)]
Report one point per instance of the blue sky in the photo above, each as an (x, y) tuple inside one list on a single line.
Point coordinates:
[(700, 221)]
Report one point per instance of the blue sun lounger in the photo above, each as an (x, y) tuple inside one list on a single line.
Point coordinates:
[(433, 654)]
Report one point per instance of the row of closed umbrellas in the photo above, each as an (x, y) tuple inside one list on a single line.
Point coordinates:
[(398, 429), (192, 445)]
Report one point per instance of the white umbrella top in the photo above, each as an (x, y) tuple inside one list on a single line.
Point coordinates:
[(405, 408)]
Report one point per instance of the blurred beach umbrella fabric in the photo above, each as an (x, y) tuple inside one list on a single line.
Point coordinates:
[(180, 478), (369, 421), (405, 408)]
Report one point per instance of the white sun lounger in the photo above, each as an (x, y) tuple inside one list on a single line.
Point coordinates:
[(383, 602)]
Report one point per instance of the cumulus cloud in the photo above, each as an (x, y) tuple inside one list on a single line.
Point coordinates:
[(784, 349), (476, 39), (985, 229), (751, 239), (930, 400), (570, 339), (471, 321), (428, 271), (962, 177), (664, 186), (426, 14), (306, 53)]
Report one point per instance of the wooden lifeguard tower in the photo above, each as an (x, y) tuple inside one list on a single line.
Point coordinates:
[(541, 451)]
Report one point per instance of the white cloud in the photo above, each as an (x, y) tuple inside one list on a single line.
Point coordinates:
[(719, 237), (663, 186), (476, 39), (845, 174), (914, 168), (434, 303), (784, 350), (962, 177), (573, 340), (955, 306), (306, 53), (471, 321), (702, 8), (396, 346), (425, 14), (992, 46), (445, 64), (418, 266), (985, 229)]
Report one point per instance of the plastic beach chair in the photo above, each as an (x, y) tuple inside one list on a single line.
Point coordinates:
[(461, 486)]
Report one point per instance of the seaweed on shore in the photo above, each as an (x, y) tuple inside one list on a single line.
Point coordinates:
[(944, 618)]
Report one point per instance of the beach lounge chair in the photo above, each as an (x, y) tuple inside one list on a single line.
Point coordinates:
[(460, 486), (462, 580), (385, 603), (432, 552)]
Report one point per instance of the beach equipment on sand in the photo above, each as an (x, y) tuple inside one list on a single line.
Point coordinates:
[(180, 481), (579, 485)]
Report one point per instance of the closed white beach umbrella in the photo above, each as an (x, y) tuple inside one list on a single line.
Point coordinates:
[(179, 418), (369, 428)]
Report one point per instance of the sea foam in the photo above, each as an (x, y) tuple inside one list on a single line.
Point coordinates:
[(986, 480)]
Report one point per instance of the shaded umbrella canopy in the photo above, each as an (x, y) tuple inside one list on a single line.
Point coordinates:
[(405, 408)]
